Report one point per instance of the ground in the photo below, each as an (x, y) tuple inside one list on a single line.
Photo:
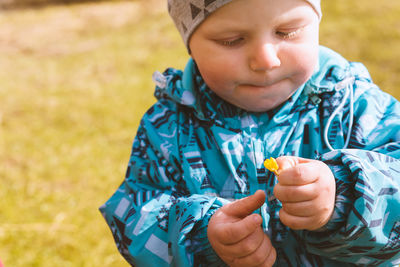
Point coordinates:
[(74, 83)]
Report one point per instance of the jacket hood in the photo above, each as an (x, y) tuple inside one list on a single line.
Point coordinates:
[(187, 88)]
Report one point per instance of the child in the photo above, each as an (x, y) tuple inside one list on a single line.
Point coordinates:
[(258, 85)]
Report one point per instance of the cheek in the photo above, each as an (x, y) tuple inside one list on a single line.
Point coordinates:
[(216, 75), (305, 61), (210, 74)]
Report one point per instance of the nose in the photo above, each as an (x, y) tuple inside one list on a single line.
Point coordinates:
[(264, 57)]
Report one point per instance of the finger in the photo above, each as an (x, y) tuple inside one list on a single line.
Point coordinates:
[(287, 162), (300, 223), (231, 233), (301, 174), (270, 261), (292, 193), (245, 206), (247, 245), (264, 253), (301, 209), (313, 209)]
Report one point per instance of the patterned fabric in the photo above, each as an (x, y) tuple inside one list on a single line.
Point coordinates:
[(195, 152), (187, 15)]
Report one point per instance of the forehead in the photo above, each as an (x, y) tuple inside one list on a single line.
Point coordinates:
[(189, 14), (248, 13)]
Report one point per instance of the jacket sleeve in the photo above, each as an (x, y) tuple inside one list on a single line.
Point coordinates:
[(153, 217), (365, 226)]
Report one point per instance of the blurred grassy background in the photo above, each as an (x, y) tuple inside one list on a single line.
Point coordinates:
[(74, 83)]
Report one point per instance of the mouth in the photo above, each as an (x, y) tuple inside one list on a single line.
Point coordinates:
[(261, 86)]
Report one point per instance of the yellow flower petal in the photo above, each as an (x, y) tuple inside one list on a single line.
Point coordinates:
[(271, 165)]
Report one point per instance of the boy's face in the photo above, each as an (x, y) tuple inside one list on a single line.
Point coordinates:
[(256, 53)]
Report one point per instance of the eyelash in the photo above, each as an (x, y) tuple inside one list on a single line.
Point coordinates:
[(231, 42), (289, 35), (283, 35)]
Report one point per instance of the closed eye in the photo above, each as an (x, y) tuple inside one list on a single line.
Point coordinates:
[(231, 42), (289, 34)]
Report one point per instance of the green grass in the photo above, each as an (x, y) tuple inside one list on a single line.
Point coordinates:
[(74, 83), (367, 32)]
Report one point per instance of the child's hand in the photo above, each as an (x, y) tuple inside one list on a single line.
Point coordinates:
[(236, 236), (306, 189)]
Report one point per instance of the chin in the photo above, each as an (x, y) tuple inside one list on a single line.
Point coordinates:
[(263, 107), (258, 109)]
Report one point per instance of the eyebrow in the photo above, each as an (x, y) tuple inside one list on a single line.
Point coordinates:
[(293, 18), (228, 28), (225, 29), (293, 21)]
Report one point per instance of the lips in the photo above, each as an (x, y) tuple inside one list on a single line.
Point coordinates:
[(264, 85)]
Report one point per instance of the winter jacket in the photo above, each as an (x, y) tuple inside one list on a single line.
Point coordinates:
[(194, 152)]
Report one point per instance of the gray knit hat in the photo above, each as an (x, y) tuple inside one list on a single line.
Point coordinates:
[(188, 14)]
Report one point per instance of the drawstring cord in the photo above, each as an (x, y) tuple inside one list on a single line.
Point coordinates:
[(348, 85)]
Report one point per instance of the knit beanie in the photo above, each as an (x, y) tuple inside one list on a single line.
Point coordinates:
[(188, 14)]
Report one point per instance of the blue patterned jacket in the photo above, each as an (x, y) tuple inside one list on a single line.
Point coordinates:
[(195, 152)]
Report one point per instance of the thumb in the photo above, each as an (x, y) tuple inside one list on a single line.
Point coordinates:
[(245, 206), (288, 162)]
